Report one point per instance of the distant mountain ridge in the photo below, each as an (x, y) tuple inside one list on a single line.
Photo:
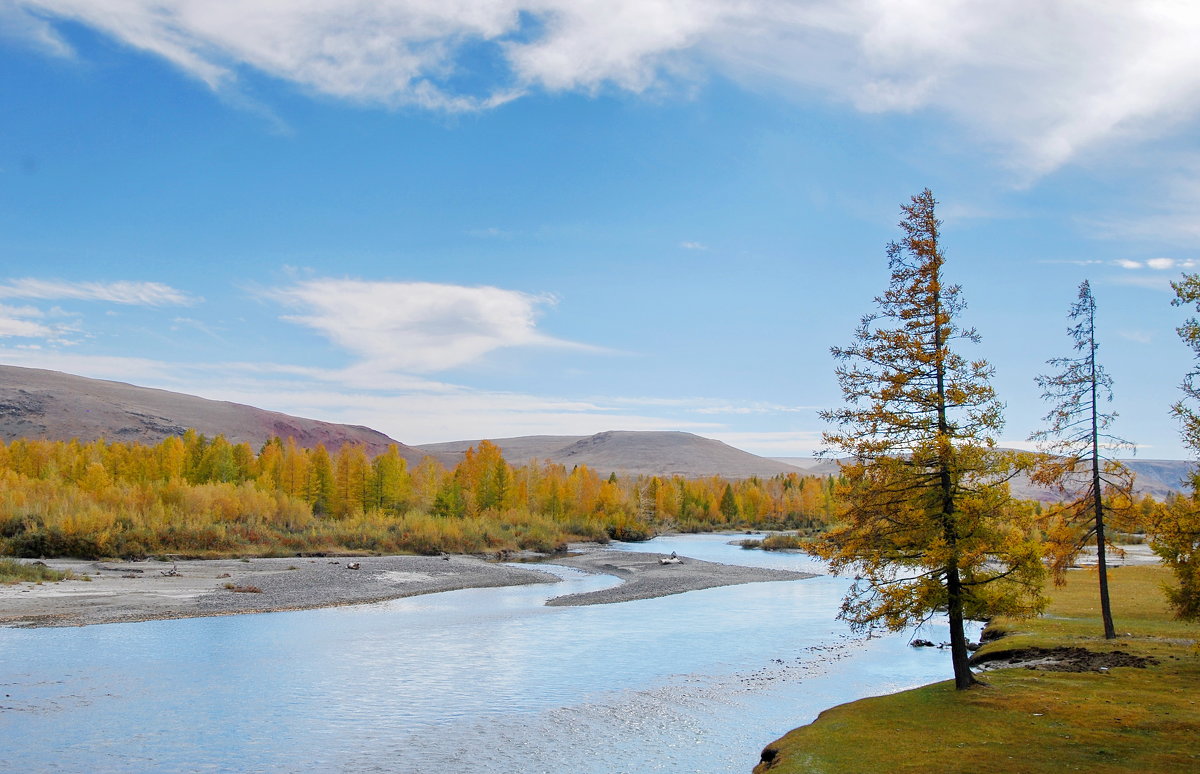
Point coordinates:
[(1157, 478), (36, 403), (632, 452)]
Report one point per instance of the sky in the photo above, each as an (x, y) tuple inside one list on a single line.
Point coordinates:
[(461, 219)]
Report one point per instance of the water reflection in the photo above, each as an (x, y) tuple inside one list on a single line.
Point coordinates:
[(482, 680)]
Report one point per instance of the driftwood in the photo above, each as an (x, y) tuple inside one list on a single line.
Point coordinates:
[(172, 573)]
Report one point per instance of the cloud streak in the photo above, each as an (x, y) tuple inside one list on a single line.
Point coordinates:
[(124, 292), (1041, 81), (416, 327)]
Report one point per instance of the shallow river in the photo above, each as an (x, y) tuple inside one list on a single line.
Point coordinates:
[(480, 680)]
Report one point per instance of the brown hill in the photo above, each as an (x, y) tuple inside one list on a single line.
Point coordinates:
[(57, 406), (650, 453)]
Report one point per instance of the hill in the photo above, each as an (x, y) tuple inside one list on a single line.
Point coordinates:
[(651, 453), (48, 404), (1157, 478)]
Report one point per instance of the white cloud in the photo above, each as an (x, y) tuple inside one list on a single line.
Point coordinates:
[(416, 327), (1043, 81), (15, 322), (131, 293), (1157, 264), (693, 246)]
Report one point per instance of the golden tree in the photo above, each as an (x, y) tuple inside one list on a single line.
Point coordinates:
[(927, 523), (1177, 530), (1075, 443)]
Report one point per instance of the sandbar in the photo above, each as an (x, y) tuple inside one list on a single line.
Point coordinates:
[(128, 591), (645, 576)]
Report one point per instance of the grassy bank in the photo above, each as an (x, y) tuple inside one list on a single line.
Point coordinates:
[(1030, 721), (12, 571)]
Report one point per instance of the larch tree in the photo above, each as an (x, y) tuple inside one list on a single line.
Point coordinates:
[(1078, 448), (926, 522), (1177, 530)]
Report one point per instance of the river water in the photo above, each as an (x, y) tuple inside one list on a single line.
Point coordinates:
[(479, 680)]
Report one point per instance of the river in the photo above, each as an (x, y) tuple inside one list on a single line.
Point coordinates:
[(479, 680)]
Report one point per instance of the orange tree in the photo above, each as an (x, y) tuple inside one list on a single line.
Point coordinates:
[(927, 523)]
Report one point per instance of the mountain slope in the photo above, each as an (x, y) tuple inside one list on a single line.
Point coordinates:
[(48, 404), (650, 453)]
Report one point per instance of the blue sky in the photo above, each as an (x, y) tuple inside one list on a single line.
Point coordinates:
[(454, 220)]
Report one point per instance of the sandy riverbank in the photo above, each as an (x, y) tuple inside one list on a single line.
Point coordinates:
[(141, 591), (646, 577)]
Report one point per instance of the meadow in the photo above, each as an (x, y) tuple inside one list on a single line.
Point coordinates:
[(1120, 719)]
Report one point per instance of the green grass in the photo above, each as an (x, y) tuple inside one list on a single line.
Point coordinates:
[(1125, 720), (12, 571)]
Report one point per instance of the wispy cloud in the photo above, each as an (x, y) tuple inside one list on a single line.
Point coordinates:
[(1158, 264), (1139, 337), (27, 322), (1045, 82), (124, 292), (417, 327), (693, 246)]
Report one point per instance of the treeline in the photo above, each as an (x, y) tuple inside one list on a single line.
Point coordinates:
[(198, 496)]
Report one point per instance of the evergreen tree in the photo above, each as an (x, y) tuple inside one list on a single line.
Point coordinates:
[(728, 506), (926, 517)]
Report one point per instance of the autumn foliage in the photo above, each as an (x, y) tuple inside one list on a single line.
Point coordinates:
[(198, 496)]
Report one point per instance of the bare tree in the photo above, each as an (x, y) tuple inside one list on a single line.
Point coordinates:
[(1077, 447)]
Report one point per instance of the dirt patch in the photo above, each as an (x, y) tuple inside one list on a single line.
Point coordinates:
[(1060, 659)]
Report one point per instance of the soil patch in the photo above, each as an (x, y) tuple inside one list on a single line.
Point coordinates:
[(1061, 659)]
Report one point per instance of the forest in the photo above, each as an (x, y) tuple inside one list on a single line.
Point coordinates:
[(194, 496)]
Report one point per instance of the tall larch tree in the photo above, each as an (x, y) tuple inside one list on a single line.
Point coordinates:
[(1177, 530), (926, 521), (1078, 448)]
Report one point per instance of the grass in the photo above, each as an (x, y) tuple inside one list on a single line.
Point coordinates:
[(1027, 721), (782, 541), (12, 571), (242, 589)]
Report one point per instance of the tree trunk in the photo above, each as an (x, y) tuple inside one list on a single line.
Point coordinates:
[(1110, 631), (963, 678)]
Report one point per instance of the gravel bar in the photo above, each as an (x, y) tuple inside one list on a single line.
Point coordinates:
[(646, 576)]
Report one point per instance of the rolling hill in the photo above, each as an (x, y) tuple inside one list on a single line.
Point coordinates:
[(36, 403), (651, 453), (48, 404)]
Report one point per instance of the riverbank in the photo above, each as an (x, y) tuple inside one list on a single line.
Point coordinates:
[(1059, 697), (646, 575), (119, 591)]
